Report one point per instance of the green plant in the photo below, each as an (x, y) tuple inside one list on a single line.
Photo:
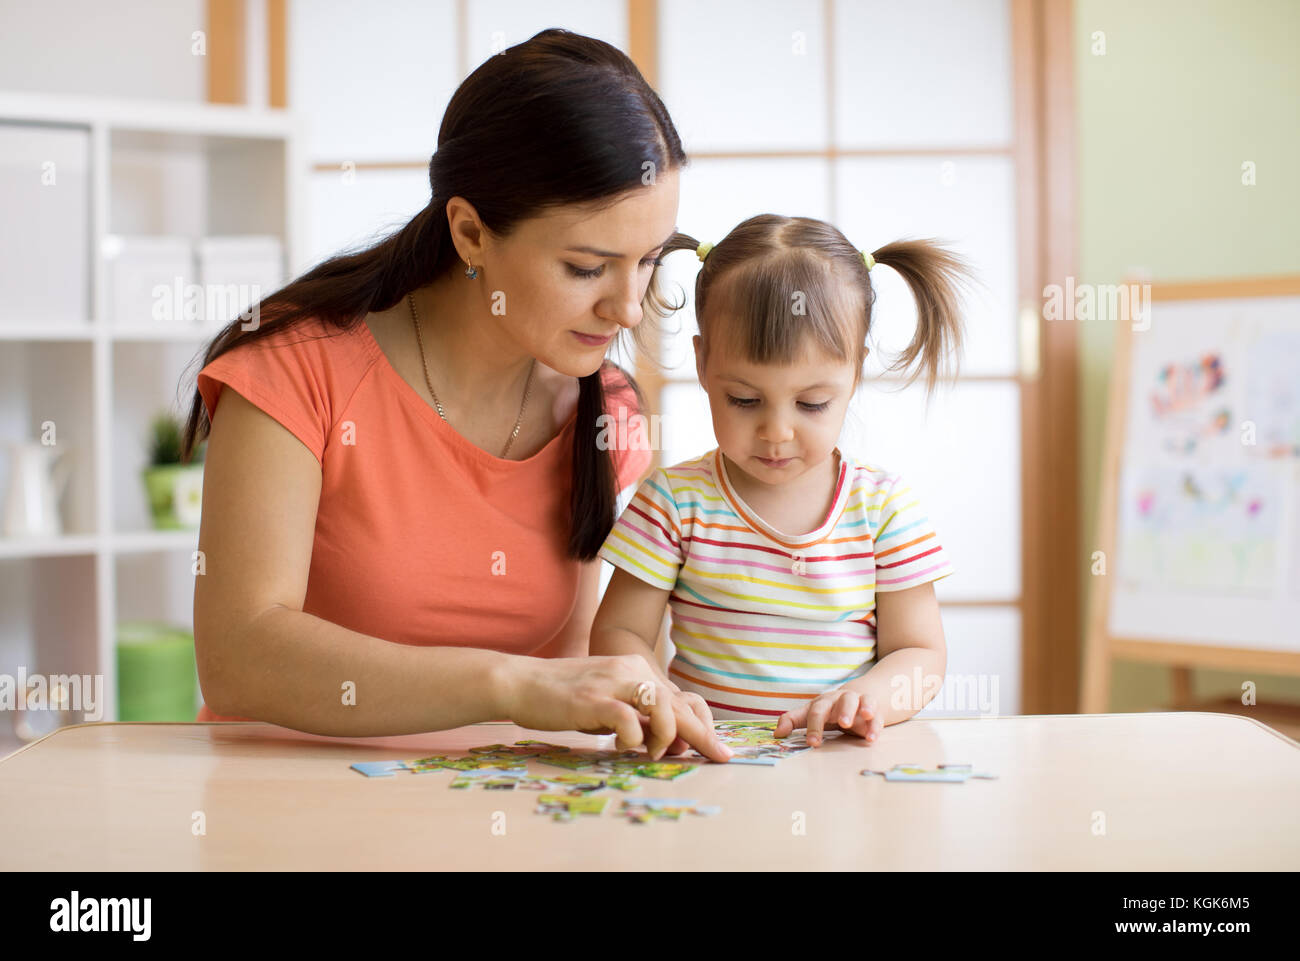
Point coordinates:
[(165, 445)]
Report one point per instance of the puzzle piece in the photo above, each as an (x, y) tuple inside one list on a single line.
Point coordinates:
[(496, 779), (644, 810), (379, 768), (951, 773), (564, 807), (663, 770)]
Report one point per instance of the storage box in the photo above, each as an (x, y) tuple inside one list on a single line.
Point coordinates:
[(237, 272), (45, 238), (149, 282)]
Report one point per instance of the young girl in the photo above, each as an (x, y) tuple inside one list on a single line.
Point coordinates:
[(799, 578)]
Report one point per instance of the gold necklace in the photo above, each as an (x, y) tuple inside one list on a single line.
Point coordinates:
[(415, 318)]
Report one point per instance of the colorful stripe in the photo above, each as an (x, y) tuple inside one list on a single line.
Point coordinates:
[(762, 620)]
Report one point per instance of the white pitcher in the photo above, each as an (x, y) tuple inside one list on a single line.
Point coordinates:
[(36, 482)]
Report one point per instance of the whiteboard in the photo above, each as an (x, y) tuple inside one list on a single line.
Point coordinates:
[(1207, 519)]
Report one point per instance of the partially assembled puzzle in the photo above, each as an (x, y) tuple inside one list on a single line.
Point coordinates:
[(504, 767), (501, 767), (753, 742)]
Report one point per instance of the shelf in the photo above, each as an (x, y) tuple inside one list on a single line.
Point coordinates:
[(125, 168), (129, 542), (166, 335), (157, 117), (88, 332), (142, 542), (62, 546), (38, 331)]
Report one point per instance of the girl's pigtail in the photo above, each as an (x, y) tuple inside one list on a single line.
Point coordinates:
[(935, 276)]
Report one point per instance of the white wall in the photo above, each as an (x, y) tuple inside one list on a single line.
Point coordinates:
[(103, 48)]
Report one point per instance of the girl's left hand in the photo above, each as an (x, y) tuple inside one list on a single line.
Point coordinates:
[(843, 709)]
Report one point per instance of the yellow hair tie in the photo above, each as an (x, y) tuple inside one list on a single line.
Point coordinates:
[(702, 251), (867, 259)]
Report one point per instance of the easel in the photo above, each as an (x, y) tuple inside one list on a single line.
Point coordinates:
[(1100, 646)]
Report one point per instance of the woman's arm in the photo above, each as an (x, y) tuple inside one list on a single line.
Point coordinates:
[(574, 639), (259, 655)]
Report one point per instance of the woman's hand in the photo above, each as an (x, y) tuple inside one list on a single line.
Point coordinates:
[(844, 708), (620, 694), (692, 702)]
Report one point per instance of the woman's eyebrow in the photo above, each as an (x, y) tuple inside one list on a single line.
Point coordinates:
[(609, 253)]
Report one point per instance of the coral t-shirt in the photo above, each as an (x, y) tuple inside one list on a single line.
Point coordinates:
[(421, 537)]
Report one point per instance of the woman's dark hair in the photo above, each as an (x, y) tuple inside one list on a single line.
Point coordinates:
[(560, 119)]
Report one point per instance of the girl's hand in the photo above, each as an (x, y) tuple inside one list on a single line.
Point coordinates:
[(844, 709), (619, 695)]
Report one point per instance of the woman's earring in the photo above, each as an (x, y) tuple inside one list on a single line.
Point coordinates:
[(470, 270)]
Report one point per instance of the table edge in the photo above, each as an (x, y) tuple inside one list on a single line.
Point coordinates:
[(979, 717)]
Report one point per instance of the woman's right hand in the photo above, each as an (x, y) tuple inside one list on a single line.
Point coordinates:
[(596, 695)]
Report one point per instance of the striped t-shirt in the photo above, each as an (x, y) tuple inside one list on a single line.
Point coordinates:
[(764, 621)]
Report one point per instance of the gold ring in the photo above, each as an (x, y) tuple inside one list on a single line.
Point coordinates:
[(643, 696)]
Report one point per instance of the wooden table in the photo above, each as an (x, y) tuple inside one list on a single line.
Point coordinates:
[(1178, 791)]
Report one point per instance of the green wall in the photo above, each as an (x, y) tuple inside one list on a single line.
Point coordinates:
[(1186, 91)]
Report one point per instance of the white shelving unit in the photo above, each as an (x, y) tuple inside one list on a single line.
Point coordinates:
[(166, 168)]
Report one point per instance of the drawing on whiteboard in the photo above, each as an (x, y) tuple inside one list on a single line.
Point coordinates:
[(1188, 403), (1273, 394), (1201, 529)]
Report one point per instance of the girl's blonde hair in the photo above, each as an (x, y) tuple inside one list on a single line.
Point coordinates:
[(787, 280)]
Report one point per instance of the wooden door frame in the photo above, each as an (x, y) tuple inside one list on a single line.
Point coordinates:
[(1043, 45), (226, 49)]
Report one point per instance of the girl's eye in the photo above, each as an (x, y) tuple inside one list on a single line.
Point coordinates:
[(817, 407), (742, 401), (597, 271)]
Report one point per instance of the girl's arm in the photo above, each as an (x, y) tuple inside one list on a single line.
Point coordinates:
[(911, 658), (909, 646), (629, 618)]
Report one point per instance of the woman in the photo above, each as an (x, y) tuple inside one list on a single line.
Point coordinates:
[(404, 490)]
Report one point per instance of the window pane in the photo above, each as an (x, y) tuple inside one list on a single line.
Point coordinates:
[(963, 462), (686, 427), (717, 195), (371, 81), (497, 24), (744, 74), (357, 213), (922, 73), (967, 202), (983, 673)]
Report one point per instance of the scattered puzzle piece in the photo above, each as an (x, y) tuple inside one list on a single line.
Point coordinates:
[(644, 810), (951, 773), (379, 768), (563, 807)]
